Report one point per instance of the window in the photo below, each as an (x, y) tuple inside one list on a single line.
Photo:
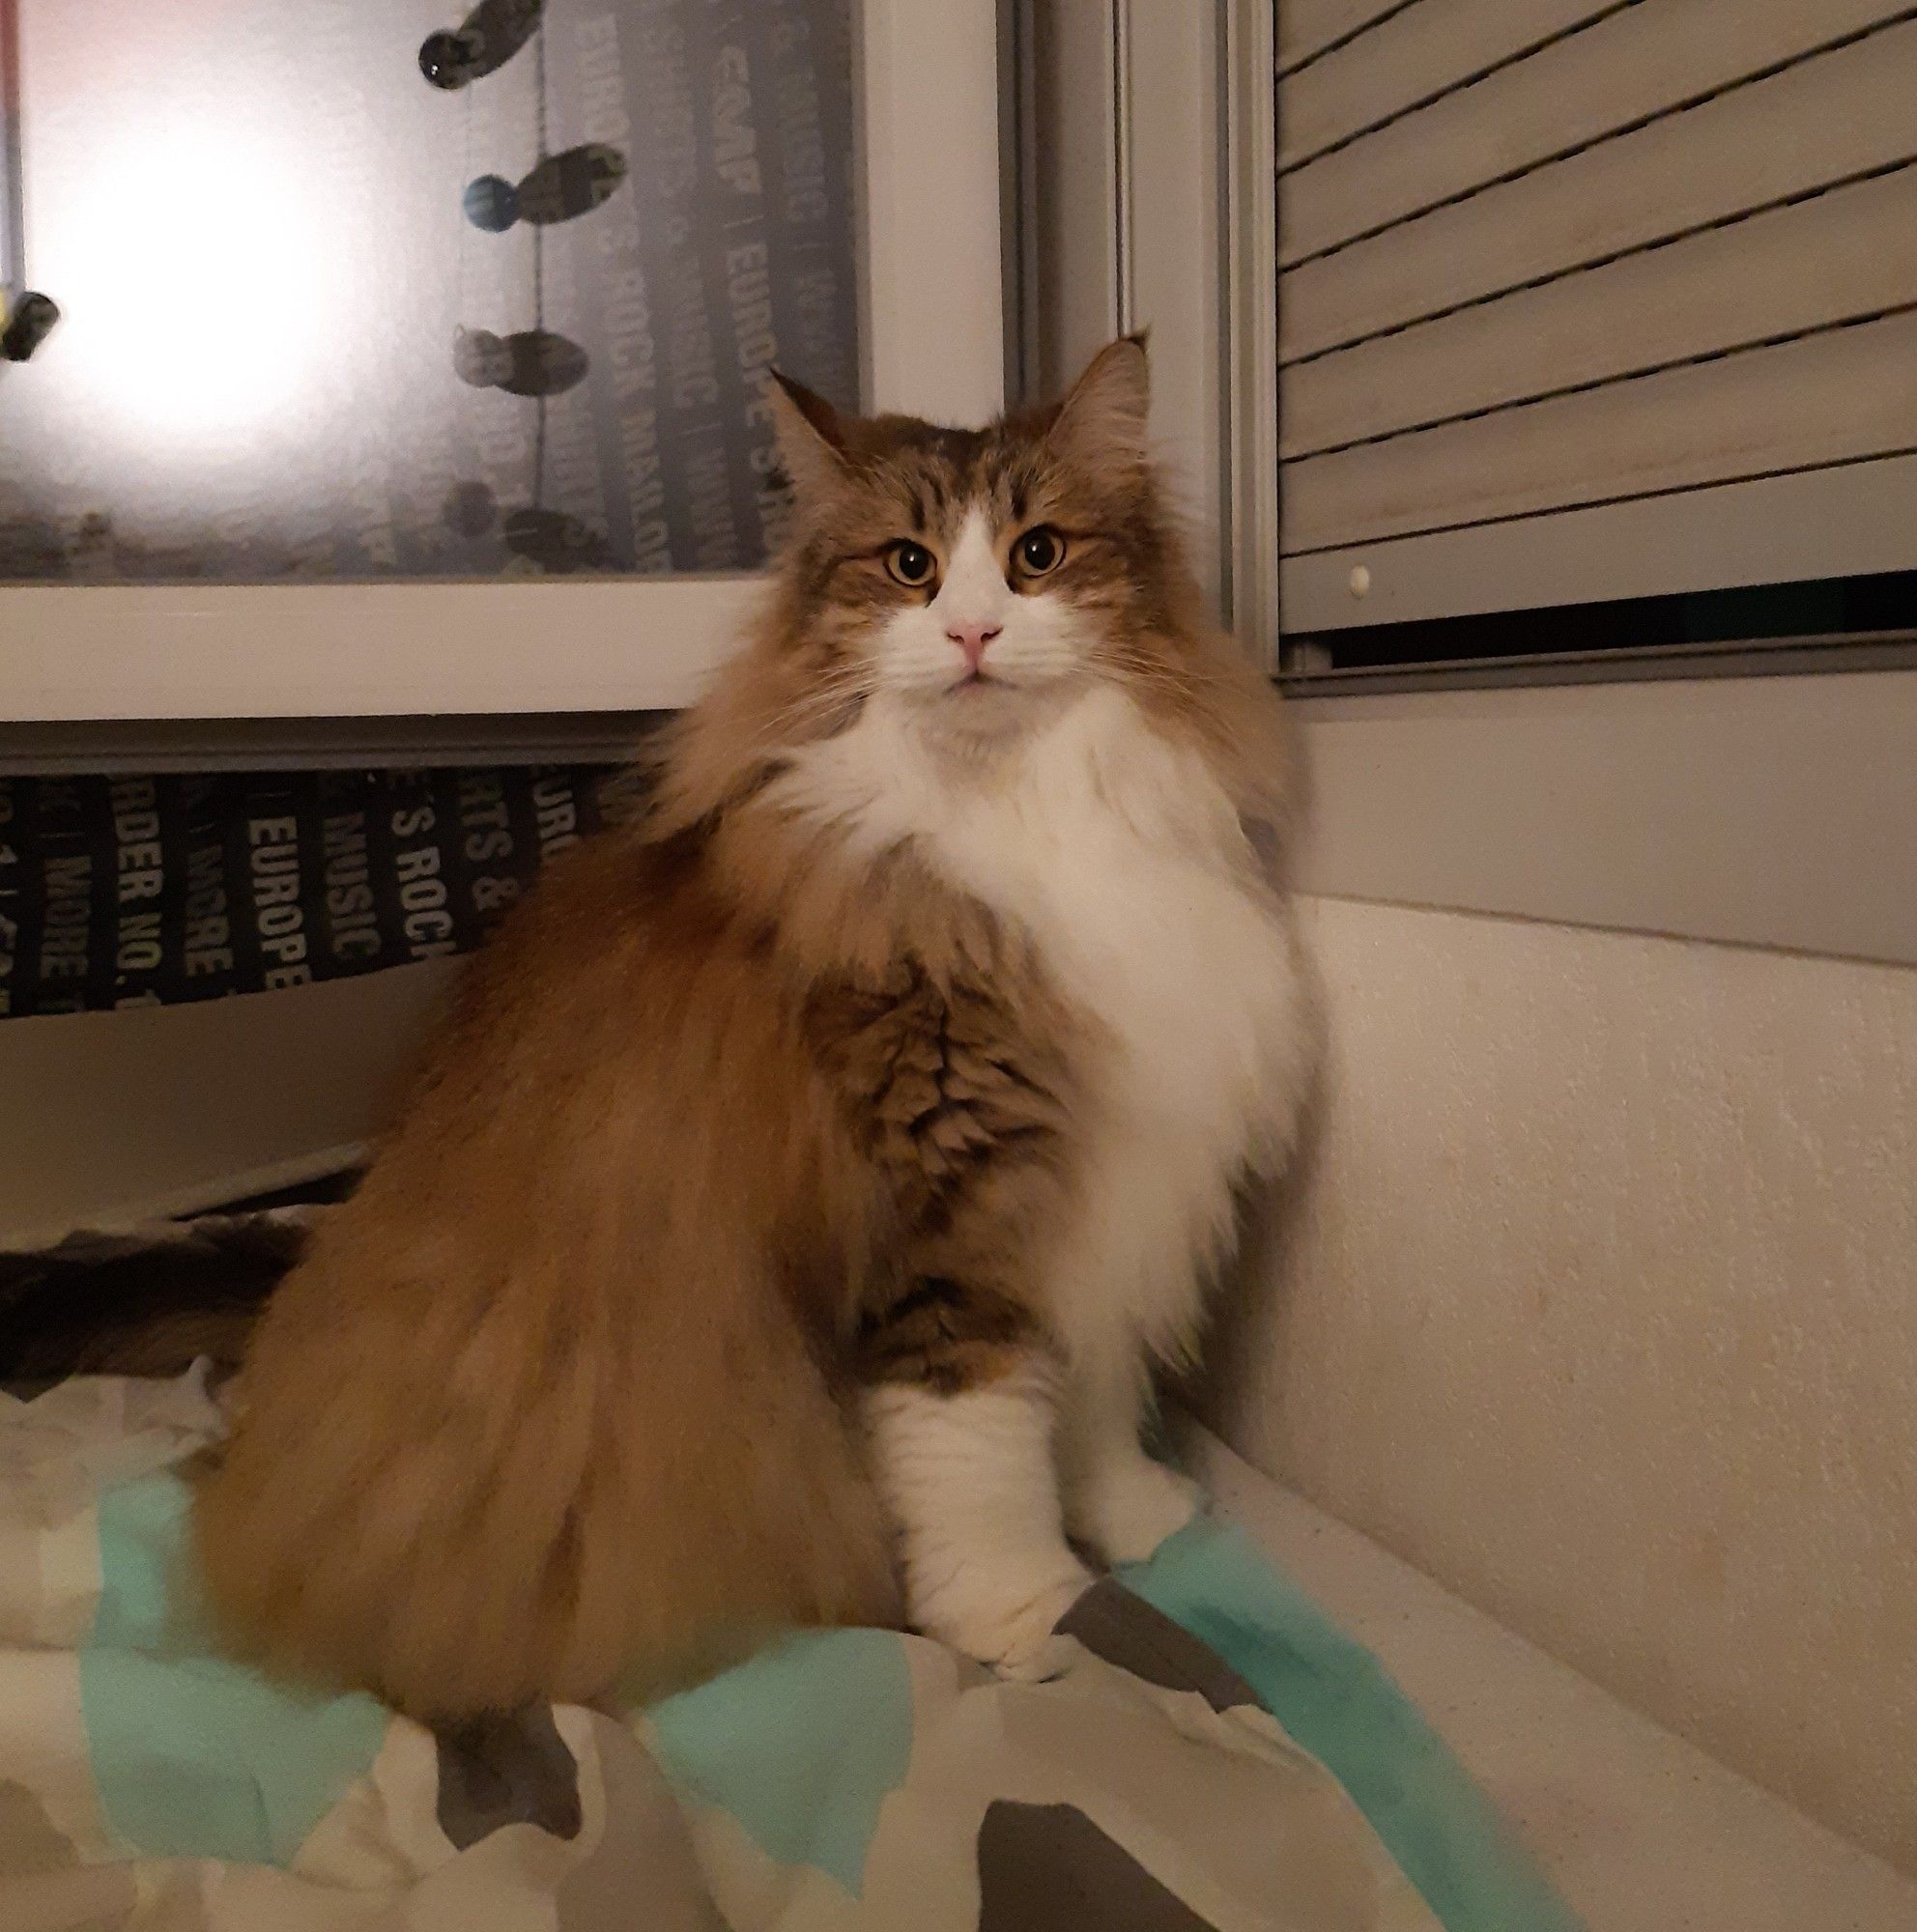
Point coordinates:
[(1598, 334), (412, 365), (1556, 385), (327, 318)]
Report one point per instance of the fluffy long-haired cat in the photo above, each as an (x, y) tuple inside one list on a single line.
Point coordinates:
[(784, 1225)]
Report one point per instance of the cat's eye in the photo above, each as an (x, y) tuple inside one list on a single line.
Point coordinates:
[(910, 563), (1040, 551)]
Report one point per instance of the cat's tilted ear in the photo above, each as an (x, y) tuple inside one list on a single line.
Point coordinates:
[(1101, 424), (811, 441)]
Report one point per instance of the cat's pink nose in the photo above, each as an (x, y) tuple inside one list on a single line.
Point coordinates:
[(972, 639)]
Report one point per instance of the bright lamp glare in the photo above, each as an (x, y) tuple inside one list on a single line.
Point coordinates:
[(193, 273)]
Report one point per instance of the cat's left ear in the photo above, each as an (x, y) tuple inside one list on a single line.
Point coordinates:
[(1101, 424), (811, 439)]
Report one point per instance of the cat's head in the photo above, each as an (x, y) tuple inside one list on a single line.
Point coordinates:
[(974, 577)]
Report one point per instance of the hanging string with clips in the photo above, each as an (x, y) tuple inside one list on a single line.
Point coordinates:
[(535, 362)]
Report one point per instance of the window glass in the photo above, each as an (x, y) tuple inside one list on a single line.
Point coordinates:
[(363, 291)]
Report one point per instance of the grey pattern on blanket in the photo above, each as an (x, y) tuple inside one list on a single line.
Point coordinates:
[(840, 1781)]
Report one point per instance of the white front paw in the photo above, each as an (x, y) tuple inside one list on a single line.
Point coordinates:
[(1126, 1508), (1005, 1613)]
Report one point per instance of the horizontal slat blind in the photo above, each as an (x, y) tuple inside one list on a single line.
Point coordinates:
[(1418, 56), (1845, 256), (1775, 529), (1540, 256), (1830, 398), (1654, 58), (1848, 114), (1309, 29)]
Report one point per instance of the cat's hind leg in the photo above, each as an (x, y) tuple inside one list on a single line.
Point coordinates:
[(1119, 1501)]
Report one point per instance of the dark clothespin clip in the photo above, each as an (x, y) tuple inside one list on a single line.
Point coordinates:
[(25, 325), (480, 45)]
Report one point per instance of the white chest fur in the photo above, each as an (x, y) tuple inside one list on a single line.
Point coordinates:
[(1122, 856)]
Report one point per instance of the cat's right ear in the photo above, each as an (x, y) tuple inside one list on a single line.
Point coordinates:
[(811, 439)]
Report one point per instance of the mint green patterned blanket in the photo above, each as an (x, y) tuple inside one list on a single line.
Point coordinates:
[(1215, 1758)]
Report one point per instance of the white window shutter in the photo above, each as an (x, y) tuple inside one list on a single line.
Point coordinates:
[(1587, 300)]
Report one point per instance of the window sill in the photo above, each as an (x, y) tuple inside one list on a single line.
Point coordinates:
[(1777, 811), (1765, 657)]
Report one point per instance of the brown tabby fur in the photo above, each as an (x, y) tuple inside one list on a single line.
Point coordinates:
[(726, 1122)]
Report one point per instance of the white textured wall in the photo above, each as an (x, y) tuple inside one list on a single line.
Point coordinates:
[(1599, 1303)]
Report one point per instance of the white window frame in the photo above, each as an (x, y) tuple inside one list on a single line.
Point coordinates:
[(488, 652), (1152, 153)]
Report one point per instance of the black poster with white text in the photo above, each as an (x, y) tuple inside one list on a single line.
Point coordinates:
[(126, 892)]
